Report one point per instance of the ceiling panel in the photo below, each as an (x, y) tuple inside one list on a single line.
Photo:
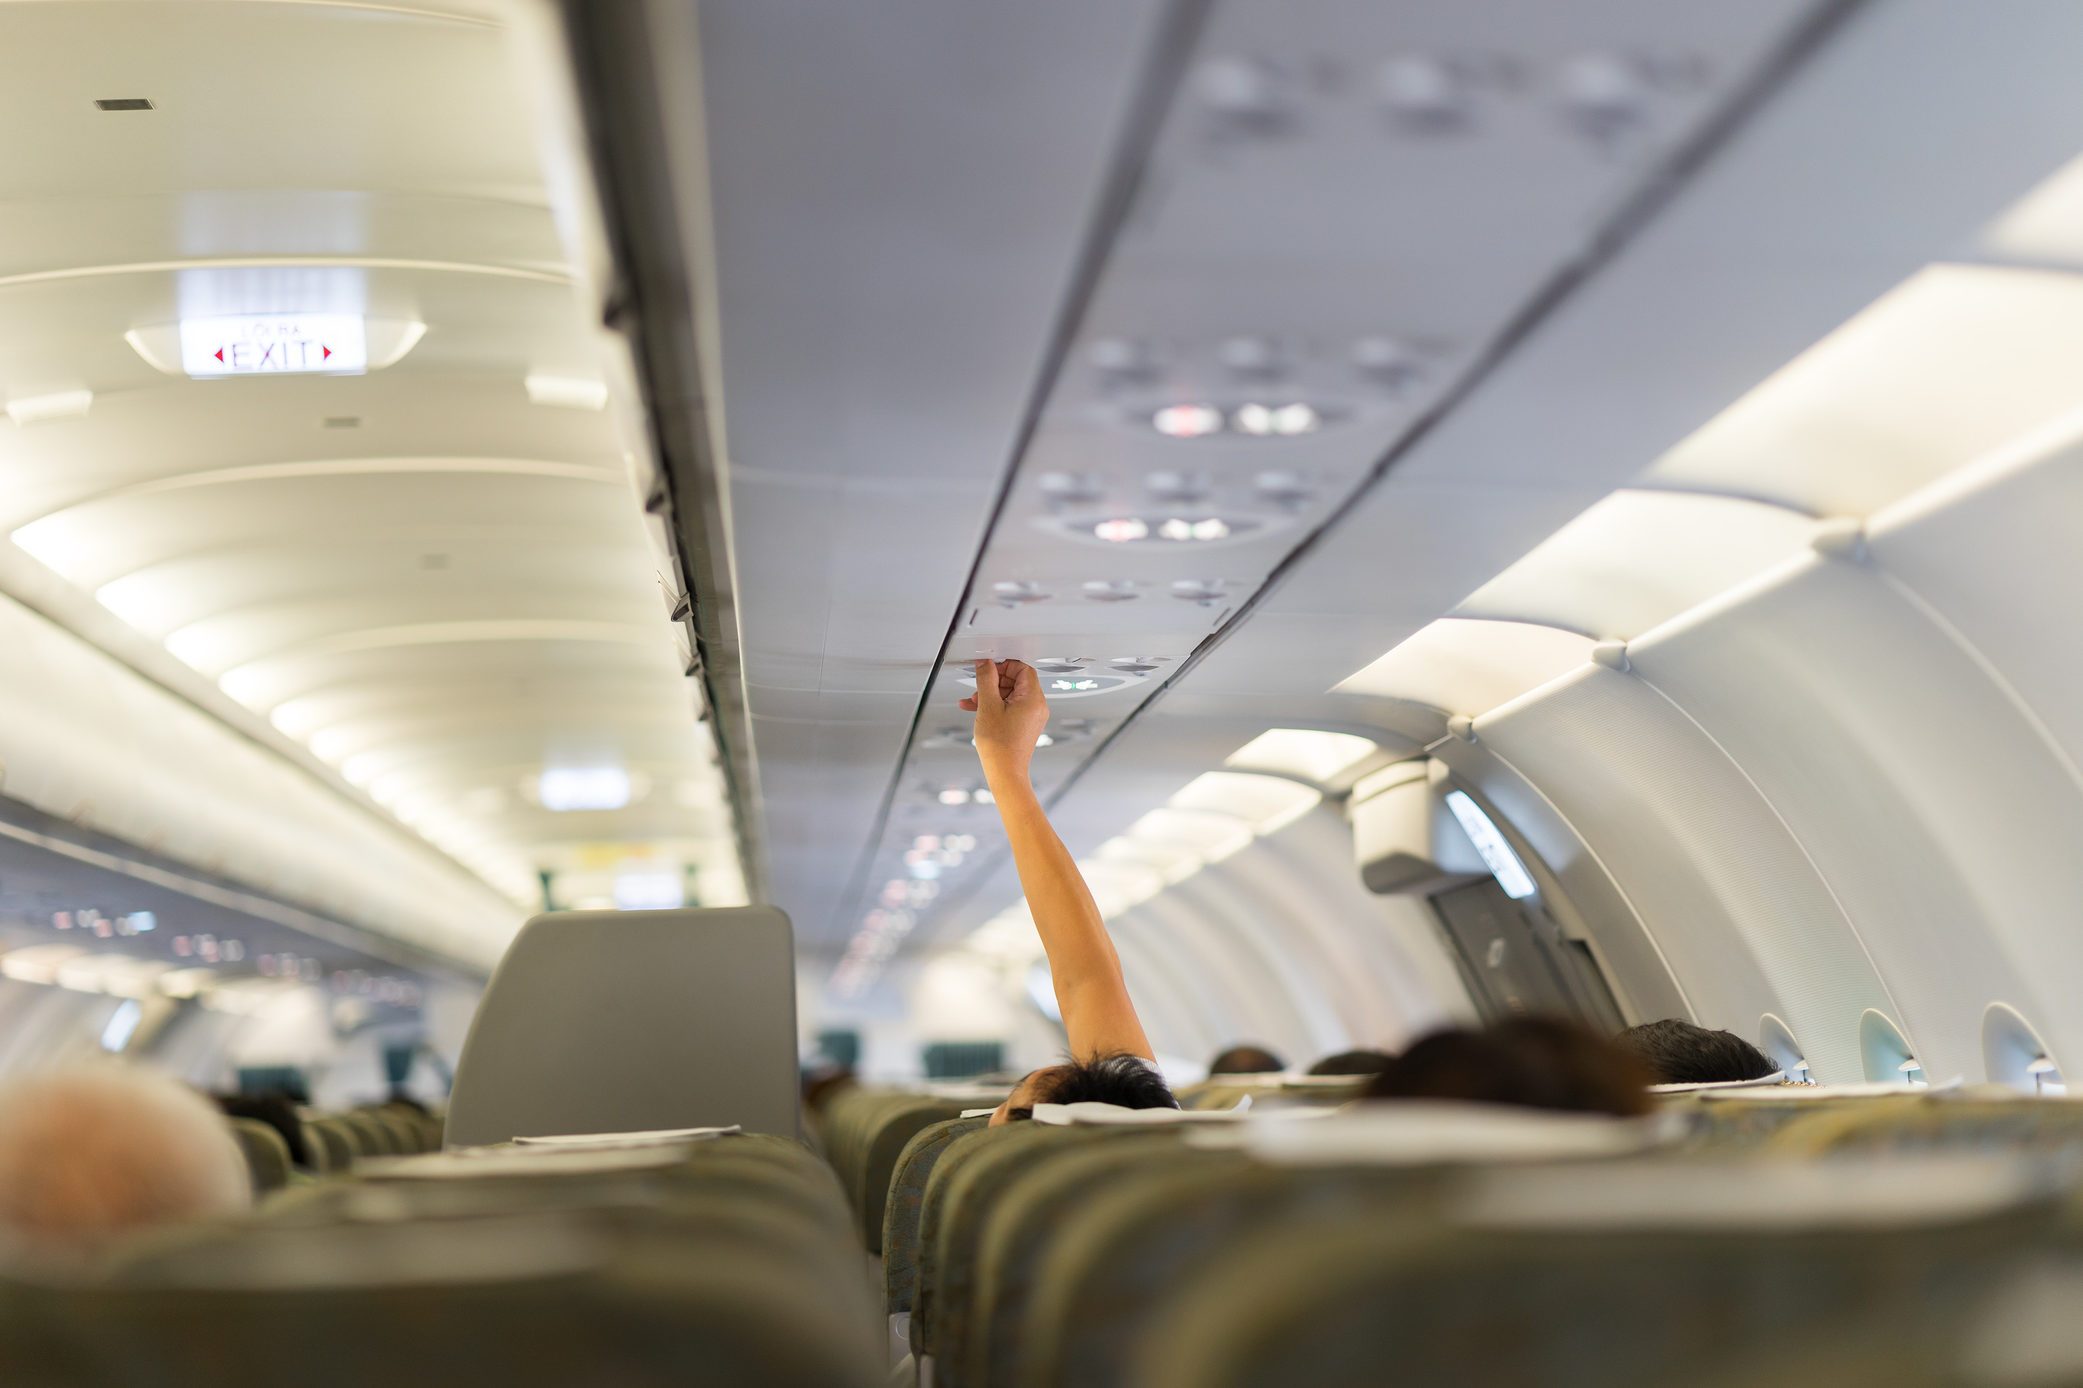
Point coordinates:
[(435, 585)]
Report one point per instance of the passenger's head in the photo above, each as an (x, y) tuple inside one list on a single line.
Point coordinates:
[(1246, 1060), (89, 1153), (1352, 1063), (1117, 1078), (1681, 1053), (1532, 1062)]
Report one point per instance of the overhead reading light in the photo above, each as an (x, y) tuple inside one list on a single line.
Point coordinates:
[(1164, 531), (583, 788), (37, 409), (568, 392), (1187, 421), (1073, 677), (1489, 841), (1306, 752), (1268, 421)]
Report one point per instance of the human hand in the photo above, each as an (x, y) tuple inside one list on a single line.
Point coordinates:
[(1010, 714)]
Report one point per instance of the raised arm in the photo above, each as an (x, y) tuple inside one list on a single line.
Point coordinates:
[(1090, 990)]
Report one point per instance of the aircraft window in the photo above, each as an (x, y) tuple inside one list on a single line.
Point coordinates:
[(1504, 865), (1776, 1039), (1885, 1052), (122, 1025), (2015, 1055)]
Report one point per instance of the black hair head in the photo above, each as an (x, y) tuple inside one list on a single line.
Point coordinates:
[(1246, 1060), (1682, 1053), (1352, 1063), (1531, 1062), (1116, 1077)]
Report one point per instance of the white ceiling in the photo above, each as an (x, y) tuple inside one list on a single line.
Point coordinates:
[(419, 577)]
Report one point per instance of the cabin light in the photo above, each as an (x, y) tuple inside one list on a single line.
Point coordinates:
[(583, 788), (142, 922), (1074, 686), (1174, 863), (925, 869), (1176, 529), (1187, 421), (1121, 530), (1310, 753), (1213, 528), (37, 963), (953, 795), (331, 745), (649, 891), (1044, 740), (39, 409), (567, 392), (1211, 837), (1489, 841), (1267, 803)]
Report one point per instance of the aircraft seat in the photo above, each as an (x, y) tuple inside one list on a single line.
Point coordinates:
[(266, 1154), (904, 1205), (1623, 1274), (619, 1021)]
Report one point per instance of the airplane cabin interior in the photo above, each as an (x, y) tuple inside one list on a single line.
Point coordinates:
[(1136, 693)]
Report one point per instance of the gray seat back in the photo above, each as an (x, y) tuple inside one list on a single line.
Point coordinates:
[(613, 1021)]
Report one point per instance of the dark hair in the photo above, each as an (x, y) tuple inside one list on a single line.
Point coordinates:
[(278, 1111), (1682, 1053), (1246, 1060), (1532, 1062), (1352, 1063), (1114, 1078)]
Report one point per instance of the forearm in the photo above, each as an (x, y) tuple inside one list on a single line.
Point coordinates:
[(1073, 932), (1098, 1016)]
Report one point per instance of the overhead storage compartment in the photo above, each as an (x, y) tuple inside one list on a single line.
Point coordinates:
[(88, 741)]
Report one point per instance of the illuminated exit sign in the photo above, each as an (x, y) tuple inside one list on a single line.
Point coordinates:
[(265, 344)]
